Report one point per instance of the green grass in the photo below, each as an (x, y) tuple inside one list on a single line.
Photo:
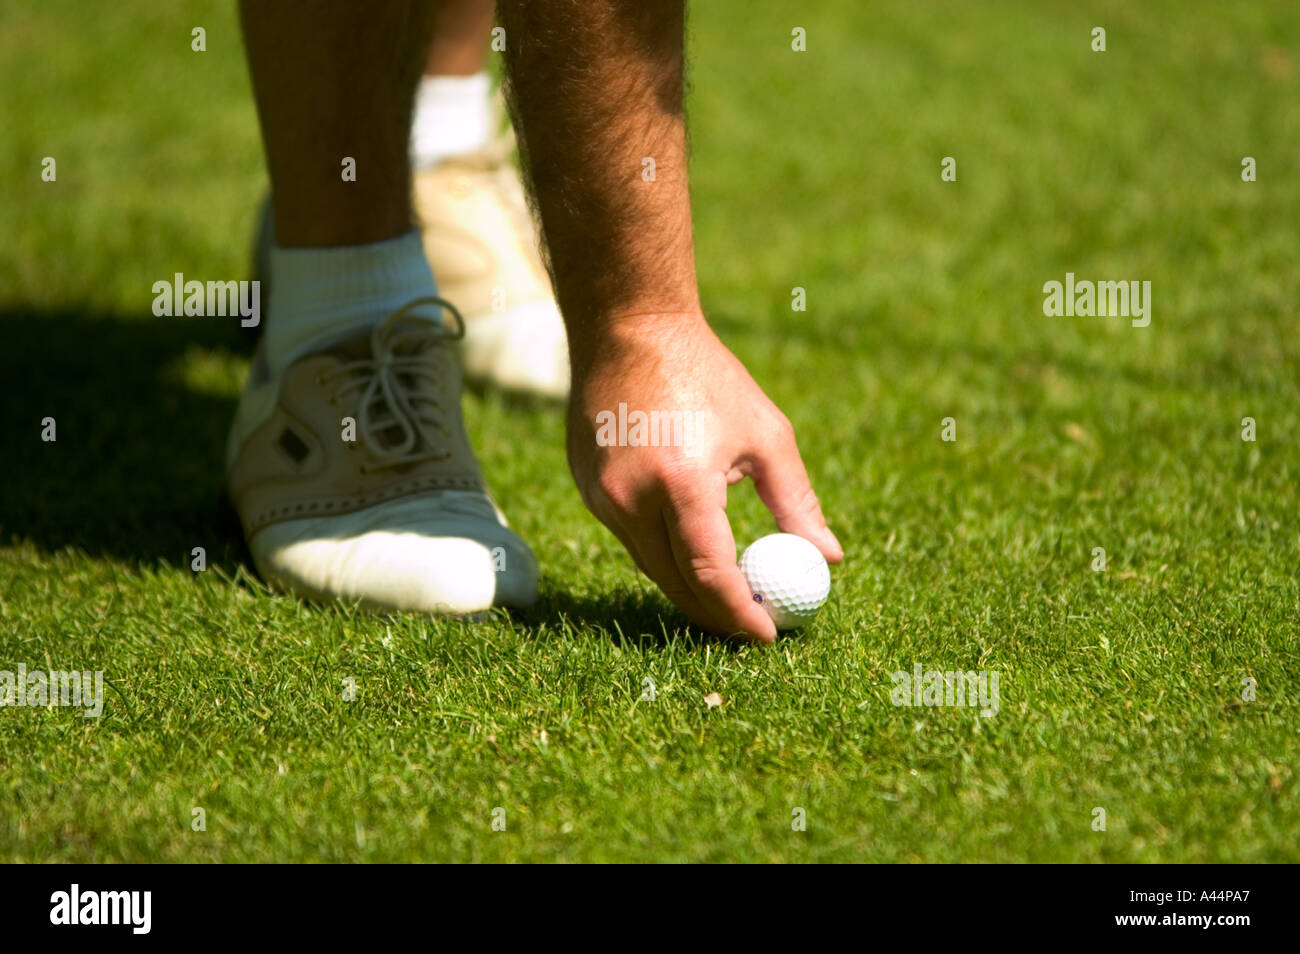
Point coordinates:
[(1118, 690)]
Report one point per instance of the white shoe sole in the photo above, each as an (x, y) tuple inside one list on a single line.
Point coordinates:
[(443, 553)]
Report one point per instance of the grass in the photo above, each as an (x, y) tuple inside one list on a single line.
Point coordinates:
[(1119, 689)]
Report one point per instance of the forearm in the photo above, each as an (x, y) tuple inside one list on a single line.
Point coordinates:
[(596, 89)]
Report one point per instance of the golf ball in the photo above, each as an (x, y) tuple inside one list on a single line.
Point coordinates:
[(788, 576)]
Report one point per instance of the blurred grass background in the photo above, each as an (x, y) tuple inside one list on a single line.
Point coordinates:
[(818, 170)]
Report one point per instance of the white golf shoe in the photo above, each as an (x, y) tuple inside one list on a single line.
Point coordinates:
[(354, 478)]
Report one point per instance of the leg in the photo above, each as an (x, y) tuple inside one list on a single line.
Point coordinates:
[(348, 461), (332, 81), (477, 233)]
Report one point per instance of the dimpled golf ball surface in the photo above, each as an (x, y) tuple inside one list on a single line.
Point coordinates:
[(789, 576)]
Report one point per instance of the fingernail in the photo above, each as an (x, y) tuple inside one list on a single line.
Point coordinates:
[(835, 543)]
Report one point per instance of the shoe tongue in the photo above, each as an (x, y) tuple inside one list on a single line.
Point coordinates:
[(356, 344), (350, 344)]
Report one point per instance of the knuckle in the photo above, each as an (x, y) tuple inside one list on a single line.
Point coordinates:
[(676, 481), (677, 476), (782, 427), (806, 502), (616, 490), (706, 572)]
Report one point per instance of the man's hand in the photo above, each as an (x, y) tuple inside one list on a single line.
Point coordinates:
[(667, 504)]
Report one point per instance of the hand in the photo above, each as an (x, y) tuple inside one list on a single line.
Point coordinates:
[(667, 504)]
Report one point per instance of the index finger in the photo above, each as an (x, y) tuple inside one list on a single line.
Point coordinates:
[(783, 485), (704, 549)]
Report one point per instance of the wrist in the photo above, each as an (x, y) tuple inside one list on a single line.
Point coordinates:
[(625, 335)]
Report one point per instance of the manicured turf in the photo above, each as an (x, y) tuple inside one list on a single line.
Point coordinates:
[(1119, 690)]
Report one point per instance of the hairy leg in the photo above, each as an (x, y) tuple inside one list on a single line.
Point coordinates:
[(393, 514), (335, 81)]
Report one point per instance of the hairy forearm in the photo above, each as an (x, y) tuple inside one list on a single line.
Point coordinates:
[(596, 90)]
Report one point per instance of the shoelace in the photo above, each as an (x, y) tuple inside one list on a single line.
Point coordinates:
[(402, 391)]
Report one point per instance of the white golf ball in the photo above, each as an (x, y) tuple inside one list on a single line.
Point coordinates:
[(788, 576)]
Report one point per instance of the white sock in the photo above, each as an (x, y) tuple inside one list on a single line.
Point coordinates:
[(321, 293), (453, 116)]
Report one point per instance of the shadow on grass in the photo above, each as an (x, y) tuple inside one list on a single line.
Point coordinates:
[(136, 471), (626, 617)]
